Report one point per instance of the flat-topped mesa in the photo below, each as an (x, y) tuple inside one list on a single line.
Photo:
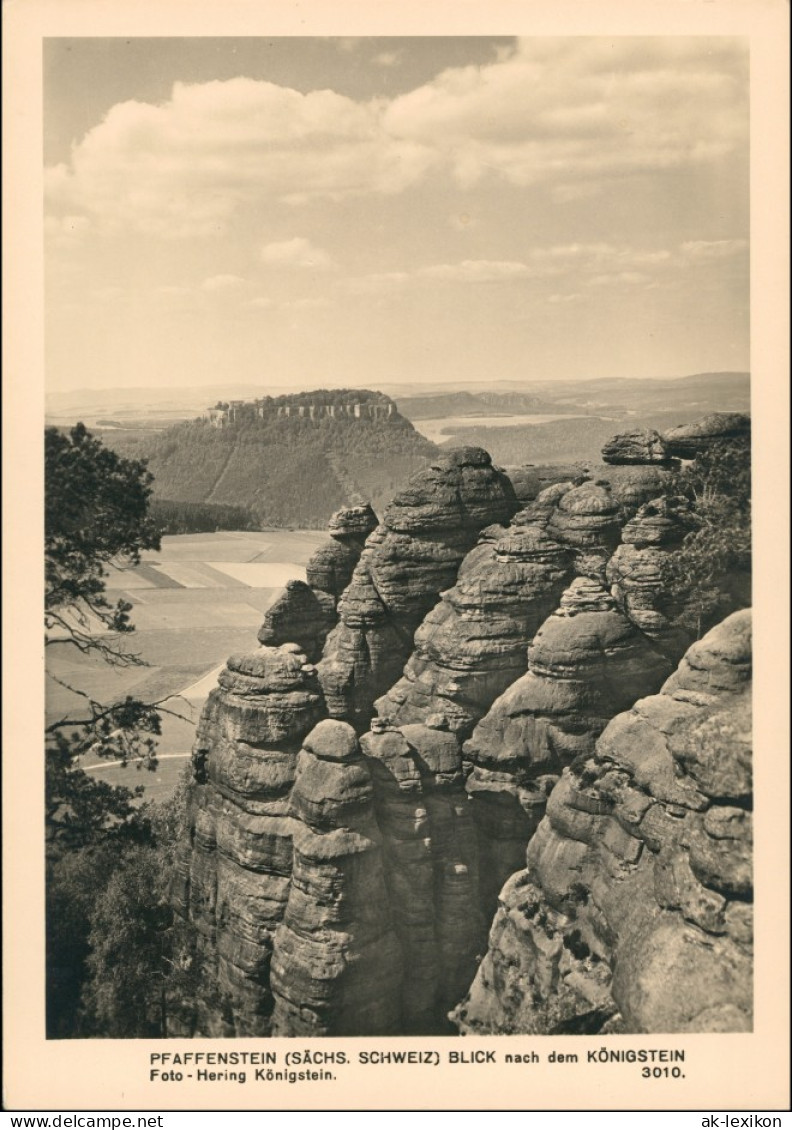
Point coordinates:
[(232, 879), (411, 557), (638, 571), (336, 962), (689, 440), (586, 663), (358, 404), (472, 644), (635, 911), (638, 447), (431, 863)]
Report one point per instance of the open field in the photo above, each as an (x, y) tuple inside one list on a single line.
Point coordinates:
[(194, 603)]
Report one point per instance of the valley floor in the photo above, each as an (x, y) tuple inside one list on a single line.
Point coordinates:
[(197, 601)]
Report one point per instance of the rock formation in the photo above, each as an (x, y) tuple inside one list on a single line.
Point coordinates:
[(300, 615), (344, 884), (431, 865), (410, 558), (336, 961), (644, 446), (528, 481), (634, 912), (305, 613), (588, 519), (330, 568), (540, 510), (689, 440), (232, 881), (632, 485), (472, 644), (587, 663), (637, 571)]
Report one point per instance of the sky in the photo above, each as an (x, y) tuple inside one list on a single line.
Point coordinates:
[(315, 212)]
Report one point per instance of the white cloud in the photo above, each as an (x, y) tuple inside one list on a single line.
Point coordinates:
[(261, 302), (388, 58), (297, 252), (574, 251), (705, 250), (561, 108), (574, 114), (617, 278), (597, 265), (604, 263), (66, 231), (222, 282), (183, 167), (477, 271)]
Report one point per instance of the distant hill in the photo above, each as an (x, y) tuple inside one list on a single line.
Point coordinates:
[(165, 404), (478, 404), (285, 465), (613, 397), (701, 392)]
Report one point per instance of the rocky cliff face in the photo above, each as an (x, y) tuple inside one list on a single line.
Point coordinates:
[(587, 662), (411, 557), (636, 572), (472, 644), (233, 879), (689, 440), (644, 446), (331, 567), (486, 675), (336, 961), (633, 484), (634, 912), (305, 613), (431, 865), (532, 478)]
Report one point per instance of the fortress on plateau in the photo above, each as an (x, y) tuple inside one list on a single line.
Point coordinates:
[(332, 404)]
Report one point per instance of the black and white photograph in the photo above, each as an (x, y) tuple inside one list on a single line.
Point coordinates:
[(397, 529)]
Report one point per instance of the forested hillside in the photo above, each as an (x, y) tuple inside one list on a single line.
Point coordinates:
[(698, 393), (286, 470)]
